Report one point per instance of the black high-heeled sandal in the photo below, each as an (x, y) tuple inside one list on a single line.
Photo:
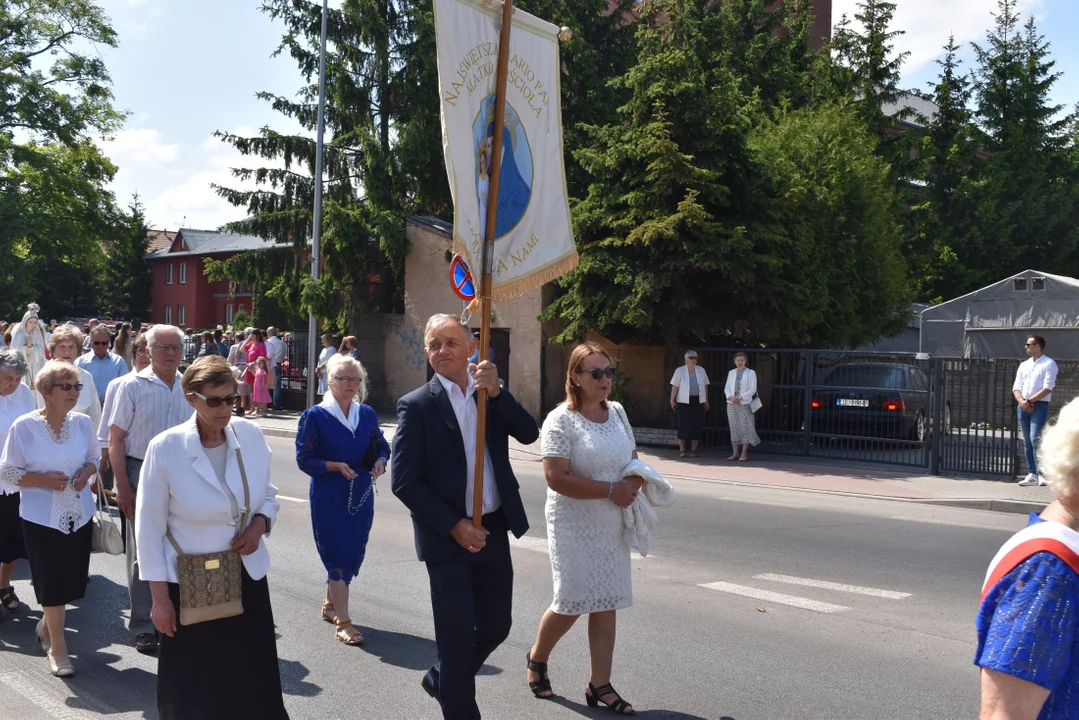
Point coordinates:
[(8, 597), (544, 683), (618, 707)]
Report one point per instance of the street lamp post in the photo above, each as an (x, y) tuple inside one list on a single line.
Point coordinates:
[(316, 231)]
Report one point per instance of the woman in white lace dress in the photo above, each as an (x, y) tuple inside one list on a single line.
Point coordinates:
[(586, 443), (49, 457)]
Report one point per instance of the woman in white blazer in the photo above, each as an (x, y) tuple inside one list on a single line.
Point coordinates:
[(740, 389), (689, 396), (192, 485)]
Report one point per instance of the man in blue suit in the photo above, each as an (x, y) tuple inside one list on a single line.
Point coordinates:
[(434, 451)]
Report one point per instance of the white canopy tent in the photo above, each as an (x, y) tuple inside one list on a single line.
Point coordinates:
[(994, 322)]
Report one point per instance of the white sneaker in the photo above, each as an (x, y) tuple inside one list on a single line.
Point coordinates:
[(1042, 481), (1030, 480)]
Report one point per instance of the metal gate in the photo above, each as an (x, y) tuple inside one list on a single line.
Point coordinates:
[(882, 407)]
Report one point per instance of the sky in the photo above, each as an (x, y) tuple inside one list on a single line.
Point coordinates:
[(185, 68)]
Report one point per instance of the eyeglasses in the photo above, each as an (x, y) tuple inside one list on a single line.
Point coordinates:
[(168, 348), (345, 379), (1031, 345), (68, 387), (596, 373), (215, 402), (97, 343)]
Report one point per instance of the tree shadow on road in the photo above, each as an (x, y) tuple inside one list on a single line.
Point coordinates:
[(402, 650)]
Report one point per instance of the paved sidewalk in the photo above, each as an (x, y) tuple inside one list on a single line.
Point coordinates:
[(861, 480)]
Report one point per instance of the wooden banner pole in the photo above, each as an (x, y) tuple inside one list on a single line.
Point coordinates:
[(488, 251)]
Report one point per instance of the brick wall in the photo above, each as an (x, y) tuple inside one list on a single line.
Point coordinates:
[(657, 437)]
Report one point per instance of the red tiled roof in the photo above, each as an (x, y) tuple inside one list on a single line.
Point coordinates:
[(159, 240)]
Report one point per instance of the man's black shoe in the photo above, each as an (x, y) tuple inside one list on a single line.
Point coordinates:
[(146, 643), (430, 683)]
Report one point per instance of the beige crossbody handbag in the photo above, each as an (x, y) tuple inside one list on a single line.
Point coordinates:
[(210, 584)]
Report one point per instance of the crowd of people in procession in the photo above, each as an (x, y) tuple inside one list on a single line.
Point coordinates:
[(194, 488)]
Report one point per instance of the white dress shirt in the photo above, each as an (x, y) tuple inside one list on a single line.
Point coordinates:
[(12, 407), (31, 446), (1036, 375), (179, 490), (464, 407), (275, 349), (146, 407)]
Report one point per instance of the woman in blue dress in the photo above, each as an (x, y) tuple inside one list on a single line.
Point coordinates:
[(331, 443)]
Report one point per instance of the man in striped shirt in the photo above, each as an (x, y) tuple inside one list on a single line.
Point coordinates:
[(147, 404)]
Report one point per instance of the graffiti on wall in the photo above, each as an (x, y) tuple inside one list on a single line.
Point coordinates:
[(413, 349)]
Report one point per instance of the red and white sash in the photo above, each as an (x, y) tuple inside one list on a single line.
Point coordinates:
[(1049, 536)]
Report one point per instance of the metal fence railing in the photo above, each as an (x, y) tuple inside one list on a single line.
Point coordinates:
[(882, 407)]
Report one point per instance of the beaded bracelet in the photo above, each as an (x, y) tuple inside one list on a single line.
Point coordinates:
[(610, 492)]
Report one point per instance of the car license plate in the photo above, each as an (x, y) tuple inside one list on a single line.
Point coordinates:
[(850, 402)]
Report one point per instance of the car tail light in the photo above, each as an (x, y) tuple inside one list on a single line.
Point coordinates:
[(815, 404), (895, 405)]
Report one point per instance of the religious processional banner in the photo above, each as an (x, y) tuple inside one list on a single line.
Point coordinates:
[(533, 237)]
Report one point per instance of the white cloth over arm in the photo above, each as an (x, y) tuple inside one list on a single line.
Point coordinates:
[(640, 518)]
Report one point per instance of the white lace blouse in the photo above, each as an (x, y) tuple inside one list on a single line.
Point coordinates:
[(12, 407), (32, 447)]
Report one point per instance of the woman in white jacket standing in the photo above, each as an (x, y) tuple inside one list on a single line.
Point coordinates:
[(740, 389), (689, 396), (191, 491)]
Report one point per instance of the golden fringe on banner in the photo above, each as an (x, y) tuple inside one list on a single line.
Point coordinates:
[(520, 286)]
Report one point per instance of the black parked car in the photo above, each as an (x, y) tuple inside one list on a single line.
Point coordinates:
[(874, 399)]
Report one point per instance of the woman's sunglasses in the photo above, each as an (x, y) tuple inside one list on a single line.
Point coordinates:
[(215, 402), (596, 373), (68, 387)]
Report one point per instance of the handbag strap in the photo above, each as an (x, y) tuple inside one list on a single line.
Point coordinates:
[(247, 497)]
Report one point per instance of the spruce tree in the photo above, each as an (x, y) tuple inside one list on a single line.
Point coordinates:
[(128, 277)]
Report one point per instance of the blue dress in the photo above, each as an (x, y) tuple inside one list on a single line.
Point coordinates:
[(1028, 627), (341, 511)]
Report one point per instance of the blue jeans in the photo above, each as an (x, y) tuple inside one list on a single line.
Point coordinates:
[(1032, 424), (277, 388)]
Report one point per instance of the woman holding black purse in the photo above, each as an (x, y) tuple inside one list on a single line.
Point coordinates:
[(341, 447)]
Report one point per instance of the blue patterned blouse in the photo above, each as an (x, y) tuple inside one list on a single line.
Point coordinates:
[(1028, 627)]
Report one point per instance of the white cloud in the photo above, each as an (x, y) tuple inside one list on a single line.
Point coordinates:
[(928, 23), (141, 148)]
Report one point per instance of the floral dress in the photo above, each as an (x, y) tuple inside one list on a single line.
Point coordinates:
[(740, 418)]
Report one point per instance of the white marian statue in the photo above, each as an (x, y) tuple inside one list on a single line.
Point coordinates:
[(28, 338)]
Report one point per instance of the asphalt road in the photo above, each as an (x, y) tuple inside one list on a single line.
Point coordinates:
[(757, 603)]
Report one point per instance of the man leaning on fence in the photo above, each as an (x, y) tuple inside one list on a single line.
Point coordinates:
[(1033, 390)]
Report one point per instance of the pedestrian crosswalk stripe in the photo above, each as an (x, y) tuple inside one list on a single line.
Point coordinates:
[(780, 598), (841, 587), (291, 499)]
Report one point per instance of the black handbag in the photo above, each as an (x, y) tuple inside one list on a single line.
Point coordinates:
[(371, 456)]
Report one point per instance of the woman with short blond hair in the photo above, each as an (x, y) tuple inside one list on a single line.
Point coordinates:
[(65, 345), (1028, 622), (332, 443), (49, 457)]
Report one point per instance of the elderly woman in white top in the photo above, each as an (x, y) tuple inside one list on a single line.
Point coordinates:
[(49, 457), (740, 389), (689, 396), (16, 400), (65, 345), (192, 488)]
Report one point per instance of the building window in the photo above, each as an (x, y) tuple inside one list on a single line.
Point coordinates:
[(168, 275), (229, 312), (168, 310), (1037, 284), (183, 273), (182, 315)]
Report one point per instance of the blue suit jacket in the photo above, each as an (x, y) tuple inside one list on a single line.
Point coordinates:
[(429, 466)]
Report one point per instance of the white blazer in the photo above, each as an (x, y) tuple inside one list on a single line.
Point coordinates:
[(179, 490), (748, 389), (680, 380)]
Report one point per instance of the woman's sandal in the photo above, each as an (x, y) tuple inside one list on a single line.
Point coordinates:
[(328, 612), (618, 707), (347, 634), (9, 598), (543, 685), (681, 453)]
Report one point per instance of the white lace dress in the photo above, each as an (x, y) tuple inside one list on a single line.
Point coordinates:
[(32, 447), (589, 561)]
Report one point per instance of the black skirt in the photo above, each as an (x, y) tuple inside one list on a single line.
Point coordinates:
[(691, 419), (222, 669), (59, 562), (12, 545)]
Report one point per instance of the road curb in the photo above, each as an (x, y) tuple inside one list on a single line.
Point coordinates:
[(279, 432), (1019, 507)]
